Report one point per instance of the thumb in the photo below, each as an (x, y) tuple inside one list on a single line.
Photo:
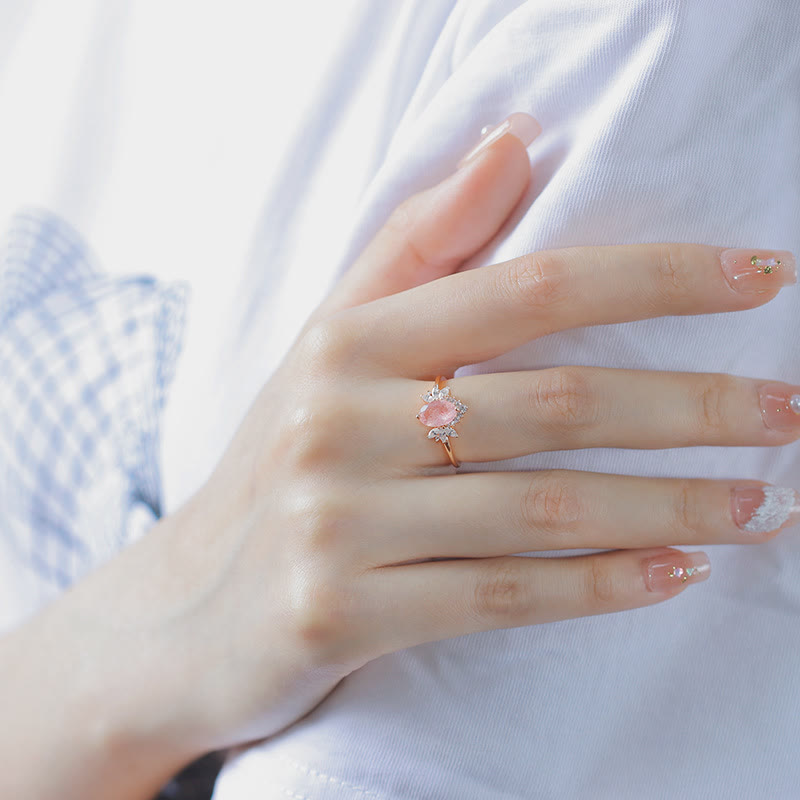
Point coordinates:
[(432, 232)]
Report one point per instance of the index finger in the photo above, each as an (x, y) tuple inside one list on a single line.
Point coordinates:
[(478, 314)]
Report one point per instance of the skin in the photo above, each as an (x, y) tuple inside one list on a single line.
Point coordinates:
[(290, 567)]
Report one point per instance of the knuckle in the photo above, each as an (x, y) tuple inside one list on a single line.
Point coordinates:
[(501, 592), (685, 517), (326, 525), (551, 503), (401, 226), (328, 344), (562, 396), (540, 280), (672, 278), (311, 434), (710, 397), (600, 589), (318, 588), (319, 614), (401, 220)]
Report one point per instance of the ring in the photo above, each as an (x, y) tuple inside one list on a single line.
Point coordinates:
[(440, 412)]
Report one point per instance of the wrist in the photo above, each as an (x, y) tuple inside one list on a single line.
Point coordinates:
[(136, 688), (98, 687)]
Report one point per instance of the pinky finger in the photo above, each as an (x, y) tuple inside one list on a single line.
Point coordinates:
[(441, 599)]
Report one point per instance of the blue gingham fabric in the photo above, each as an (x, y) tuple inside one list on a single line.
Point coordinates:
[(85, 363)]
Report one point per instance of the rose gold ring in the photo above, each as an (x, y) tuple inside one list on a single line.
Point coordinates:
[(440, 412)]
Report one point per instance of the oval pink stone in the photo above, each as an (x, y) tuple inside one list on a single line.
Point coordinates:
[(436, 413)]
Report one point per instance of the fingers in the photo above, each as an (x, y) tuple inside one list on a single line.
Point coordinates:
[(442, 599), (480, 515), (478, 314), (512, 414), (432, 232)]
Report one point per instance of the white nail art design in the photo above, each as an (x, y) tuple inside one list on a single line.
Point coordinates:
[(774, 510)]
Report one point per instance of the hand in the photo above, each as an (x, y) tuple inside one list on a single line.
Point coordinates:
[(303, 555), (324, 492)]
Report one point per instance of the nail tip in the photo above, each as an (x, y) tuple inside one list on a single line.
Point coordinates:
[(701, 564), (519, 123), (746, 270), (779, 410), (524, 126), (671, 572), (777, 508)]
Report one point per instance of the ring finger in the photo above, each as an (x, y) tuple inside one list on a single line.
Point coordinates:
[(565, 408)]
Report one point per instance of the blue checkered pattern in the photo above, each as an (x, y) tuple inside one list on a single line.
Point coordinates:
[(85, 363)]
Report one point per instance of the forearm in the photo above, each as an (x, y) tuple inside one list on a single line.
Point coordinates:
[(88, 698)]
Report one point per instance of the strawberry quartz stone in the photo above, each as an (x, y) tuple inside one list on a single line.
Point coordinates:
[(437, 413)]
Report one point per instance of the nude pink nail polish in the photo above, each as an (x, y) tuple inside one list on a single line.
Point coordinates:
[(761, 509), (520, 124), (668, 572), (780, 406), (758, 270)]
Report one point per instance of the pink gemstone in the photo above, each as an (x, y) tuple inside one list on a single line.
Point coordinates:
[(436, 413)]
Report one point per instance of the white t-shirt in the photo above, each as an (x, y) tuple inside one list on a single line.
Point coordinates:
[(663, 121)]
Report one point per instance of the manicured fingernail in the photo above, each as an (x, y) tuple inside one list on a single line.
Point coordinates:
[(780, 406), (763, 509), (758, 270), (664, 573), (520, 124)]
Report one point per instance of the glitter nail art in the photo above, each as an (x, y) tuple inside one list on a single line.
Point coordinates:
[(764, 509), (758, 271), (663, 573), (780, 406)]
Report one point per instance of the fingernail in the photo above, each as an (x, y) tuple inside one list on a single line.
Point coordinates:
[(664, 573), (520, 124), (756, 271), (763, 509), (780, 406)]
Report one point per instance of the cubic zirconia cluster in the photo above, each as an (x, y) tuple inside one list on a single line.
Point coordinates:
[(443, 432)]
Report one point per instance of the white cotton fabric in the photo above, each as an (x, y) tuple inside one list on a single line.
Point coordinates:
[(160, 137)]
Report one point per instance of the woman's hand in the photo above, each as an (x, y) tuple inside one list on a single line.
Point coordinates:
[(297, 549), (303, 555)]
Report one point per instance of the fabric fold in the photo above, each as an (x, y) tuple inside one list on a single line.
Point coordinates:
[(86, 361)]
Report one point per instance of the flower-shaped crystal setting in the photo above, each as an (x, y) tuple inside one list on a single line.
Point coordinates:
[(440, 413)]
